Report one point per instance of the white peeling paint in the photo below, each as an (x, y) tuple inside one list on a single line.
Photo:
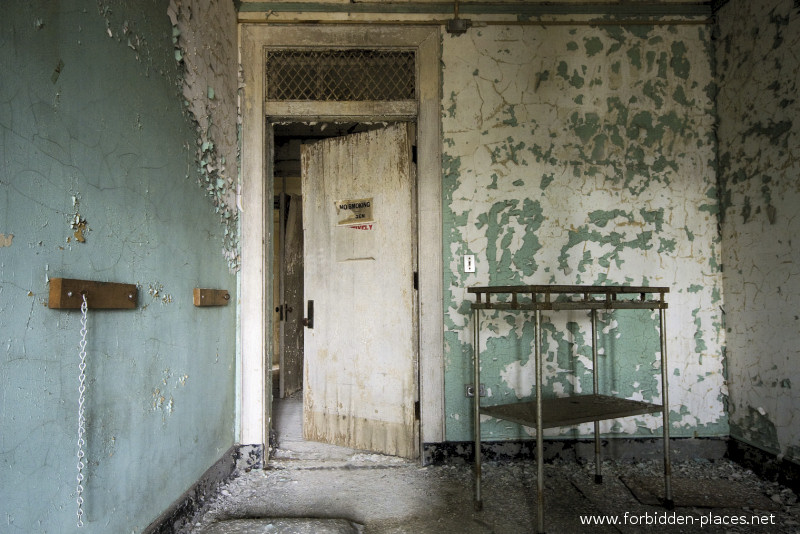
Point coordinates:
[(505, 105), (759, 135)]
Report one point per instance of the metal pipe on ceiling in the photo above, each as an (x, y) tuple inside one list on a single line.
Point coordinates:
[(480, 23), (639, 8), (642, 13)]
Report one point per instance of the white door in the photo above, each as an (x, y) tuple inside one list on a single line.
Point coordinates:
[(360, 384)]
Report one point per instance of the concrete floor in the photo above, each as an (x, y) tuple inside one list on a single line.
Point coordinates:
[(311, 488)]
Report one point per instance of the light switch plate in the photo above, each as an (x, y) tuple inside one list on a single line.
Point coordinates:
[(469, 263)]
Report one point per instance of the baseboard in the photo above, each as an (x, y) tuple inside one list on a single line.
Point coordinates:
[(236, 459), (634, 449), (765, 464)]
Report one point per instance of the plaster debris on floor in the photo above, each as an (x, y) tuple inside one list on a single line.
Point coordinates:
[(378, 494)]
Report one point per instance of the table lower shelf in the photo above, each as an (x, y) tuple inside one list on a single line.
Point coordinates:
[(569, 411)]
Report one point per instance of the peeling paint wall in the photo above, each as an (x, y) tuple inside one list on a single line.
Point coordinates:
[(204, 34), (759, 133), (98, 181), (584, 156)]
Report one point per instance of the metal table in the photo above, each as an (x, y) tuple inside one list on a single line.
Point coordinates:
[(567, 411)]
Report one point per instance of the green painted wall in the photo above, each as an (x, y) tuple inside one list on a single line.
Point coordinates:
[(759, 109), (94, 130), (584, 156)]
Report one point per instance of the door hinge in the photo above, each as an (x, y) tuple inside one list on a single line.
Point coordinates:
[(416, 411), (416, 280)]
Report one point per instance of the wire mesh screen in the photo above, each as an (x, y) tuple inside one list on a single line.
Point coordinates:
[(340, 75)]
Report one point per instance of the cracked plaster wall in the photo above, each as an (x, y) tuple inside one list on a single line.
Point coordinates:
[(99, 181), (758, 66), (584, 156), (204, 33)]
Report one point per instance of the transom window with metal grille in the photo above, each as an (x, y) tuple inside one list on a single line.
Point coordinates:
[(340, 75)]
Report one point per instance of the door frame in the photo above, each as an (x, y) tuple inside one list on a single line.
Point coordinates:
[(255, 301)]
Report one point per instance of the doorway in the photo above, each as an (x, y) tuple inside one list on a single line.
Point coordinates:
[(351, 362), (260, 114)]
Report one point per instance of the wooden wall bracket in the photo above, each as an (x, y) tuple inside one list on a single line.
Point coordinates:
[(67, 294), (211, 297)]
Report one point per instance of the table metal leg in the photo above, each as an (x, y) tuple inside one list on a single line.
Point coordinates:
[(539, 438), (668, 501), (476, 405), (598, 468)]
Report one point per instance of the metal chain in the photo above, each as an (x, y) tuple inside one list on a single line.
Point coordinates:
[(81, 401)]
